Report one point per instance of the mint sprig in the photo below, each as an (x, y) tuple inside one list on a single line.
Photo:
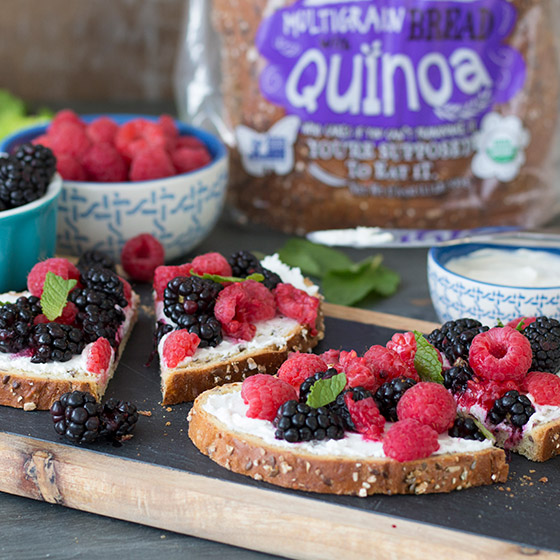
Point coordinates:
[(325, 391), (257, 276), (426, 361), (55, 294), (343, 281), (483, 429)]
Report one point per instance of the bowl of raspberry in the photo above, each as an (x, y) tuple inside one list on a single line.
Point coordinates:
[(125, 175), (29, 192), (494, 282)]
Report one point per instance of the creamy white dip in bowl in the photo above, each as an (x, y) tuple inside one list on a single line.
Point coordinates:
[(492, 282)]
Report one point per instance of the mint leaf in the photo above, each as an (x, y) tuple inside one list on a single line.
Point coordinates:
[(351, 285), (221, 279), (426, 360), (313, 259), (55, 295), (483, 429), (325, 391)]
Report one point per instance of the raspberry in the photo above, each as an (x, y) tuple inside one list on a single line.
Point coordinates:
[(298, 367), (500, 353), (358, 371), (99, 356), (70, 168), (127, 290), (102, 129), (211, 263), (366, 417), (169, 128), (386, 364), (43, 140), (331, 357), (104, 164), (408, 440), (188, 159), (179, 345), (241, 304), (69, 138), (297, 305), (64, 117), (164, 274), (67, 317), (141, 255), (484, 392), (404, 344), (429, 403), (151, 163), (514, 323), (265, 394), (59, 266), (544, 387), (191, 142), (128, 138)]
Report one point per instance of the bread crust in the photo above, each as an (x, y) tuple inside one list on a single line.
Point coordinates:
[(37, 392), (252, 456), (541, 443), (186, 383)]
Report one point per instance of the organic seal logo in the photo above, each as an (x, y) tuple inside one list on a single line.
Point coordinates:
[(500, 147)]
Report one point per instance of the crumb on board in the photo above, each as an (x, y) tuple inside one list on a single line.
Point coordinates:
[(169, 409), (145, 412), (543, 479), (168, 423)]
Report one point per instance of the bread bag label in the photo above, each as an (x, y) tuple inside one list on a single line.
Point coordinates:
[(388, 88)]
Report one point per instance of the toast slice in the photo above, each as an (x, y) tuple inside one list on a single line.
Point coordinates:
[(220, 429), (233, 359)]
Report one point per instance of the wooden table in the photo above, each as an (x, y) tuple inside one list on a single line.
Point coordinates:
[(34, 529)]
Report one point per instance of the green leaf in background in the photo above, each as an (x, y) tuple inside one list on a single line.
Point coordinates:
[(351, 285), (55, 295), (13, 115), (325, 391), (313, 259), (426, 361)]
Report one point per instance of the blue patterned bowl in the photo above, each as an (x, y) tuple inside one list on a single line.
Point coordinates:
[(180, 211), (455, 296), (27, 235)]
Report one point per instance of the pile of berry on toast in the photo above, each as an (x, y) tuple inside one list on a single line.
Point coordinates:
[(65, 333), (221, 319), (422, 414)]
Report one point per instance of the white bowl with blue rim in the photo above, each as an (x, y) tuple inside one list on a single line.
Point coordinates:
[(180, 211), (456, 295)]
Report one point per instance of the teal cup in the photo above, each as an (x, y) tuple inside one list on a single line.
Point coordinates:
[(27, 235)]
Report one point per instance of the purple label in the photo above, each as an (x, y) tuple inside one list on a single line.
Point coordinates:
[(390, 62)]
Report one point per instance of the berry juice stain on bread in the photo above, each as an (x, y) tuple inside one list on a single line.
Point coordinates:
[(221, 319), (65, 333)]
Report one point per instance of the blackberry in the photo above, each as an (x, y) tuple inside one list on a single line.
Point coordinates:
[(544, 336), (77, 417), (52, 342), (16, 323), (39, 158), (340, 408), (19, 184), (299, 422), (93, 257), (271, 279), (455, 378), (118, 419), (243, 263), (464, 427), (389, 394), (305, 387), (106, 281), (189, 302), (454, 338), (97, 315), (512, 407)]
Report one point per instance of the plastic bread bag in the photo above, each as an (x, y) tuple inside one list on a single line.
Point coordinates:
[(395, 113)]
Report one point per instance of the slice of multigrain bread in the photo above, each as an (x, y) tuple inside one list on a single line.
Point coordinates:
[(219, 429), (34, 386), (233, 359)]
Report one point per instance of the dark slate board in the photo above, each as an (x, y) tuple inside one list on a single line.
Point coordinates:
[(523, 511)]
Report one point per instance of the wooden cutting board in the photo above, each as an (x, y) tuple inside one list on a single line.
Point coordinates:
[(160, 479)]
